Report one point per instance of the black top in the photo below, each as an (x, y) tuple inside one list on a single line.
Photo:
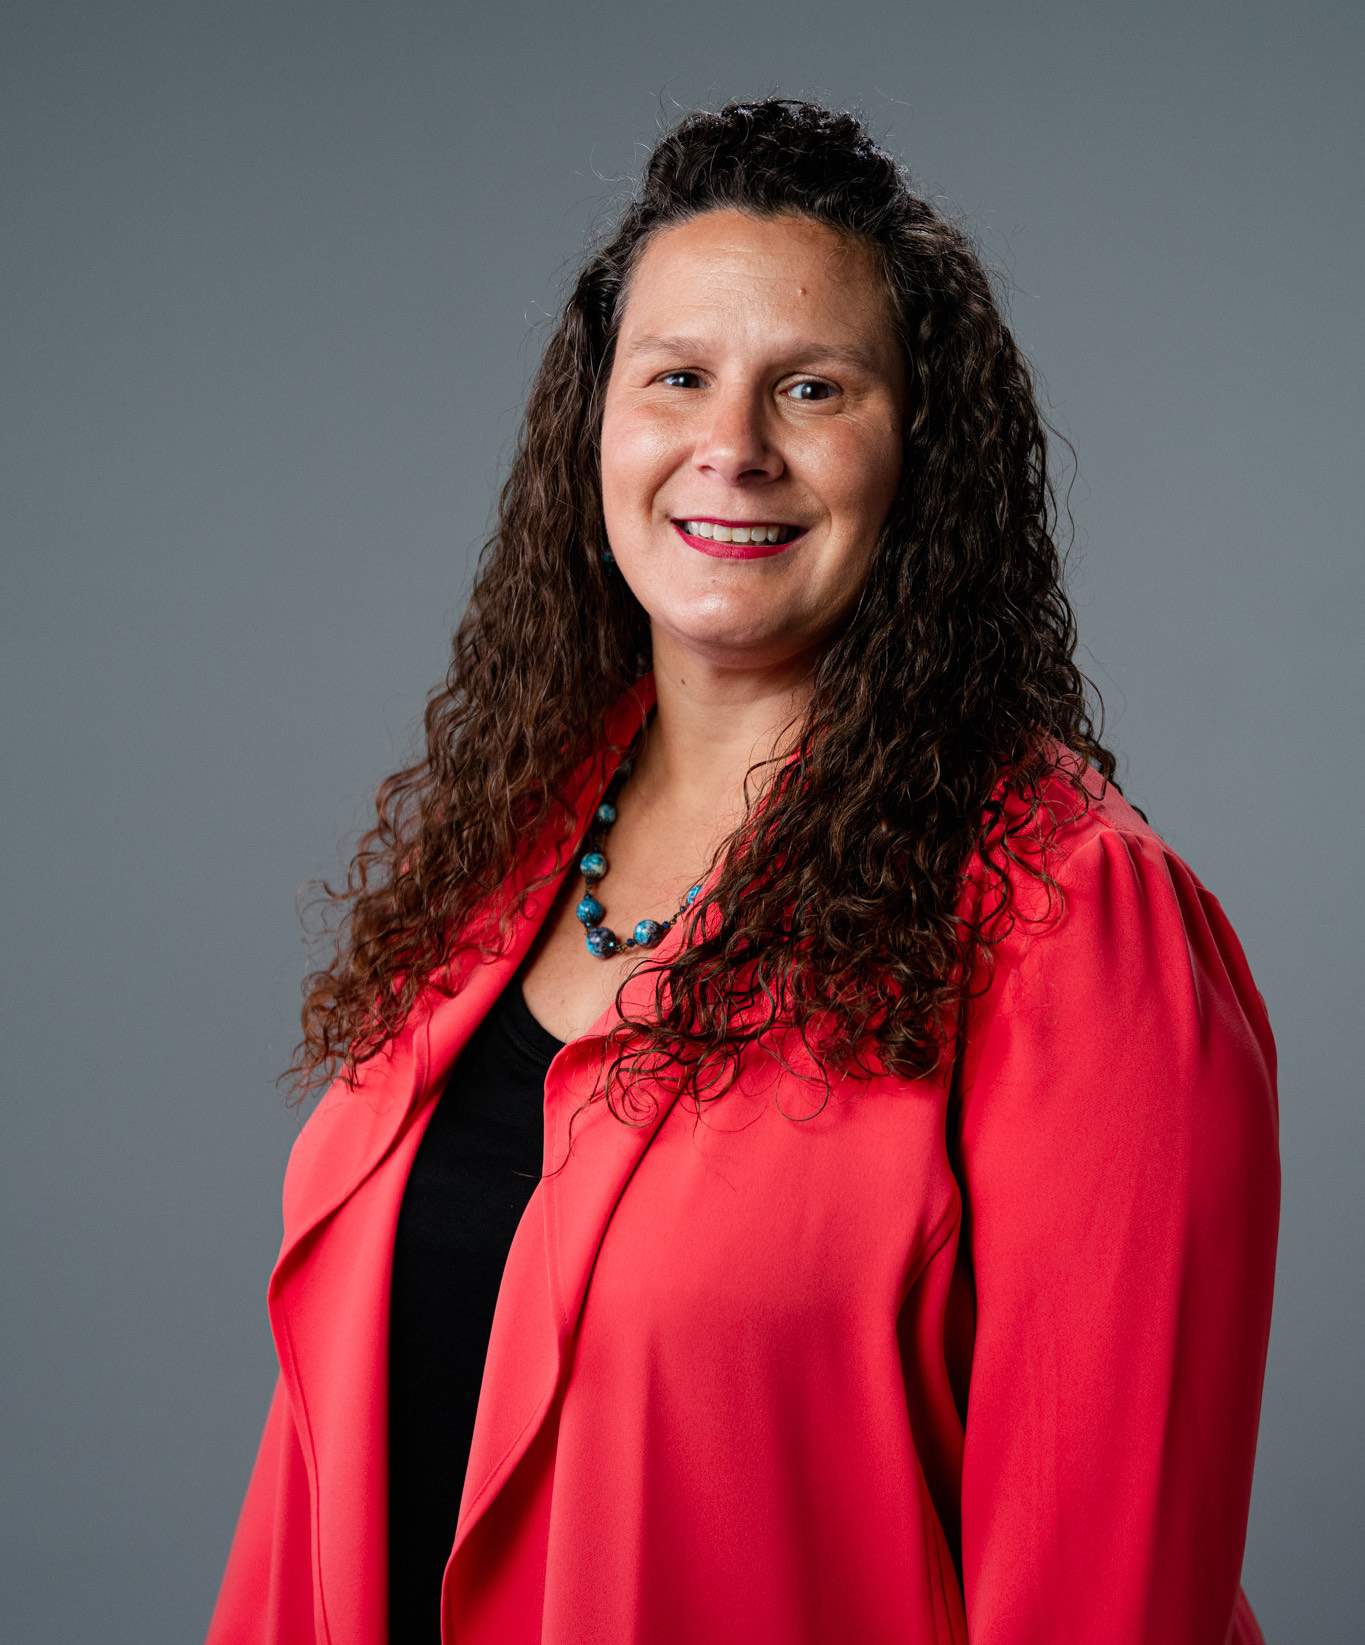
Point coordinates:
[(476, 1168)]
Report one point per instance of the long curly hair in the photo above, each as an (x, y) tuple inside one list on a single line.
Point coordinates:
[(936, 716)]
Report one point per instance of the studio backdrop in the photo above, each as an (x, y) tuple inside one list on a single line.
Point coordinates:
[(274, 280)]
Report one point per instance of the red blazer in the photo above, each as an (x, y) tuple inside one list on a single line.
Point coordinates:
[(873, 1368)]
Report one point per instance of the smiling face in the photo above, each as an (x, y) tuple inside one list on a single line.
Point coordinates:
[(751, 435)]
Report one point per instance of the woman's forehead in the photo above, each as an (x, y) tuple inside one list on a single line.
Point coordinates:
[(727, 268)]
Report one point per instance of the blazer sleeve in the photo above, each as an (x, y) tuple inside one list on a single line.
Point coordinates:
[(1121, 1195), (266, 1597)]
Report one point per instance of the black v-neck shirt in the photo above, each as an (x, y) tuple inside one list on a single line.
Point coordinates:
[(475, 1170)]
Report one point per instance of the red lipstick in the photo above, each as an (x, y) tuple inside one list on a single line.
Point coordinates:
[(720, 549)]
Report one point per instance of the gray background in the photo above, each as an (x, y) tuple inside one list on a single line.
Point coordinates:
[(275, 277)]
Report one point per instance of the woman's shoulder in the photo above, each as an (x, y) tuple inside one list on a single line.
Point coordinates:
[(1075, 829), (1104, 915)]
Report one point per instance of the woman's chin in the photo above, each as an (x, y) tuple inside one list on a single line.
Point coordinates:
[(740, 644)]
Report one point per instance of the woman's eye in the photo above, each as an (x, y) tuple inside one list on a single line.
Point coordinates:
[(811, 389), (680, 379)]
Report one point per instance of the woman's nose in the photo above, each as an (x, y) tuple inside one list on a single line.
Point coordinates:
[(735, 442)]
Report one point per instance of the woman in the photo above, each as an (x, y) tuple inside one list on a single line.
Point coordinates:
[(803, 1166)]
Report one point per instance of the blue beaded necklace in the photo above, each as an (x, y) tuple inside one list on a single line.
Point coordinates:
[(592, 865)]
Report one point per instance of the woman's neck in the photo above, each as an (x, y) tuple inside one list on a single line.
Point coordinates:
[(713, 725)]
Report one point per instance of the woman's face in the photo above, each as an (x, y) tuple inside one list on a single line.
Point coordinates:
[(751, 436)]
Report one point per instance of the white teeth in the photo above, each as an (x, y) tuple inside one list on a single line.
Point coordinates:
[(733, 533)]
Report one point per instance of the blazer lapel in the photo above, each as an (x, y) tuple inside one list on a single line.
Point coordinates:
[(549, 1266), (590, 1156)]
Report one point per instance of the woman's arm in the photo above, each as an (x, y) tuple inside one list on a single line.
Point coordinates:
[(1121, 1180)]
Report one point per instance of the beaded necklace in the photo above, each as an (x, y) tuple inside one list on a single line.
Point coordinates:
[(592, 865)]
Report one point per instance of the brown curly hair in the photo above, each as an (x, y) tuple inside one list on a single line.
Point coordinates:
[(935, 717)]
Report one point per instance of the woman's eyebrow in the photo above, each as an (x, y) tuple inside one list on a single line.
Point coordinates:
[(812, 354), (650, 344)]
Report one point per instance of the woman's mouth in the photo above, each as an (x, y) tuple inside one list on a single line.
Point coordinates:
[(738, 539)]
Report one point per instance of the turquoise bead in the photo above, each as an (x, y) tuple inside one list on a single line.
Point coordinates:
[(606, 814), (590, 911), (592, 865), (601, 942), (648, 933), (691, 896)]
